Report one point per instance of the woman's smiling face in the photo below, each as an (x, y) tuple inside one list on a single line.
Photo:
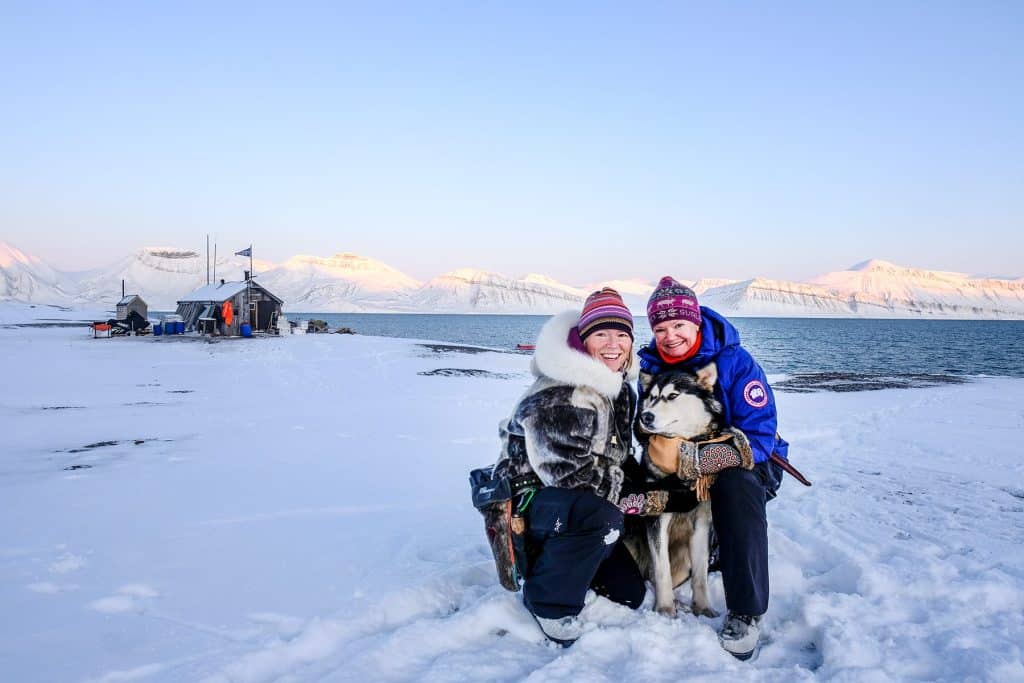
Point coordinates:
[(675, 338), (611, 347)]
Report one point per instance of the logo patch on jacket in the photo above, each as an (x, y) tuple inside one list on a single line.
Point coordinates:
[(755, 394)]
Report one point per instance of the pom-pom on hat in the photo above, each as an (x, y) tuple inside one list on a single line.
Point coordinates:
[(672, 301), (604, 310)]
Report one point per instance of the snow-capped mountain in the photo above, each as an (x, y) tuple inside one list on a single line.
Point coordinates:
[(341, 283), (879, 288), (27, 279), (477, 291), (161, 275), (873, 289), (635, 292), (774, 298), (352, 283), (705, 283)]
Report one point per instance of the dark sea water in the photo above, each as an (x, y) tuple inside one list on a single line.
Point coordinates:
[(781, 345)]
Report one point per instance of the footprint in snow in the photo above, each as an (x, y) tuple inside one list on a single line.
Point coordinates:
[(1015, 492)]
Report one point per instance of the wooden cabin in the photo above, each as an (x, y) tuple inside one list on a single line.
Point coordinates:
[(251, 303)]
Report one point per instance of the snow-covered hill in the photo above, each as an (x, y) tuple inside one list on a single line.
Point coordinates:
[(341, 283), (873, 289), (635, 292), (27, 279), (878, 288), (705, 283), (161, 275), (774, 298), (476, 291), (353, 283)]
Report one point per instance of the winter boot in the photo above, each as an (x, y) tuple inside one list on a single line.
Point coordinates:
[(740, 634), (565, 630)]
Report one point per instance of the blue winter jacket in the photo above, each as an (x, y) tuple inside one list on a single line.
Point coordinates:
[(742, 387)]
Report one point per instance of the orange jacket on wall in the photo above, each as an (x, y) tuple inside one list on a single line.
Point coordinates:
[(228, 312)]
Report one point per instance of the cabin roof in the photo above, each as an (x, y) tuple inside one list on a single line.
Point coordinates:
[(223, 292)]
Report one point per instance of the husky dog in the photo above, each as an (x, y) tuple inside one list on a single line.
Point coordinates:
[(683, 405)]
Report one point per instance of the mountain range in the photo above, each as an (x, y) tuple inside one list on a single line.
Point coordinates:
[(351, 283)]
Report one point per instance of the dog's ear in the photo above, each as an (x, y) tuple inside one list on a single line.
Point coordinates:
[(707, 376)]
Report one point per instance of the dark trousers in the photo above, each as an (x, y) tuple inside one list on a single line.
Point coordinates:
[(575, 543), (738, 500)]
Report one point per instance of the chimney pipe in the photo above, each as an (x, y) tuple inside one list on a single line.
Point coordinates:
[(122, 289), (247, 278)]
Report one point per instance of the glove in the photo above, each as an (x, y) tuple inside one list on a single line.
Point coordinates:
[(645, 504), (693, 459), (698, 459), (651, 503)]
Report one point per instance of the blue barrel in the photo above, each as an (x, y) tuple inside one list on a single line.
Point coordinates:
[(246, 330), (179, 327), (158, 329), (168, 327)]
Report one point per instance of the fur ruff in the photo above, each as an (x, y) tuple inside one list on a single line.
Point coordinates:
[(554, 358)]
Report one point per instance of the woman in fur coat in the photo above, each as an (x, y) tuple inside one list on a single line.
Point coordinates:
[(573, 429)]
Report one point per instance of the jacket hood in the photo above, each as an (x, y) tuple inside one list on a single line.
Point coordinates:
[(553, 358), (717, 334)]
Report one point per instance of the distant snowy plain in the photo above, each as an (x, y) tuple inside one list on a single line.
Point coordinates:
[(296, 509)]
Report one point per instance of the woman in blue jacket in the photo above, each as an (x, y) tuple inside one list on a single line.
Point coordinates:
[(688, 337)]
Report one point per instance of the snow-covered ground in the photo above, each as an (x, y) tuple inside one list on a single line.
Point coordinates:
[(296, 509)]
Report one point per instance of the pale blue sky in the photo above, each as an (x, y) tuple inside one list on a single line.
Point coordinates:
[(581, 140)]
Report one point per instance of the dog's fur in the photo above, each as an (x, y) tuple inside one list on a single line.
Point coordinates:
[(683, 405)]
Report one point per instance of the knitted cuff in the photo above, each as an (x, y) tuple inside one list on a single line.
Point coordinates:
[(689, 461), (702, 458), (742, 444)]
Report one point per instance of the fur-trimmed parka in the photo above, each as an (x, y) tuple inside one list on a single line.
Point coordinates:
[(573, 426)]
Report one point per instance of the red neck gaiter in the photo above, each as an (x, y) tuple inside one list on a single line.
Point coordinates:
[(689, 354)]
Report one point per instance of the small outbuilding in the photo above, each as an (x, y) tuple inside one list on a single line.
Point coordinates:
[(129, 303), (132, 313), (250, 302)]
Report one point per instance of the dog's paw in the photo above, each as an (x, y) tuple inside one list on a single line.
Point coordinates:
[(703, 611), (667, 610)]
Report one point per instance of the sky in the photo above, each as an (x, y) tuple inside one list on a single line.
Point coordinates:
[(584, 141)]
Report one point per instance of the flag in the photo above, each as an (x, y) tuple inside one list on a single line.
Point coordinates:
[(244, 252)]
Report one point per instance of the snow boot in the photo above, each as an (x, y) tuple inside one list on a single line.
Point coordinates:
[(740, 635), (565, 630)]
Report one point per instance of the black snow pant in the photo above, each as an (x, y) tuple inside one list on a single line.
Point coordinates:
[(738, 499), (575, 543)]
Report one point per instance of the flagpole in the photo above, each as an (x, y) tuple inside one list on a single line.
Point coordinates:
[(248, 288)]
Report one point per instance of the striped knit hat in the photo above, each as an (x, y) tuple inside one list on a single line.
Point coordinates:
[(672, 301), (604, 310)]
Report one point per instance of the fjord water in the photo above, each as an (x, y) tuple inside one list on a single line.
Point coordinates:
[(781, 345)]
